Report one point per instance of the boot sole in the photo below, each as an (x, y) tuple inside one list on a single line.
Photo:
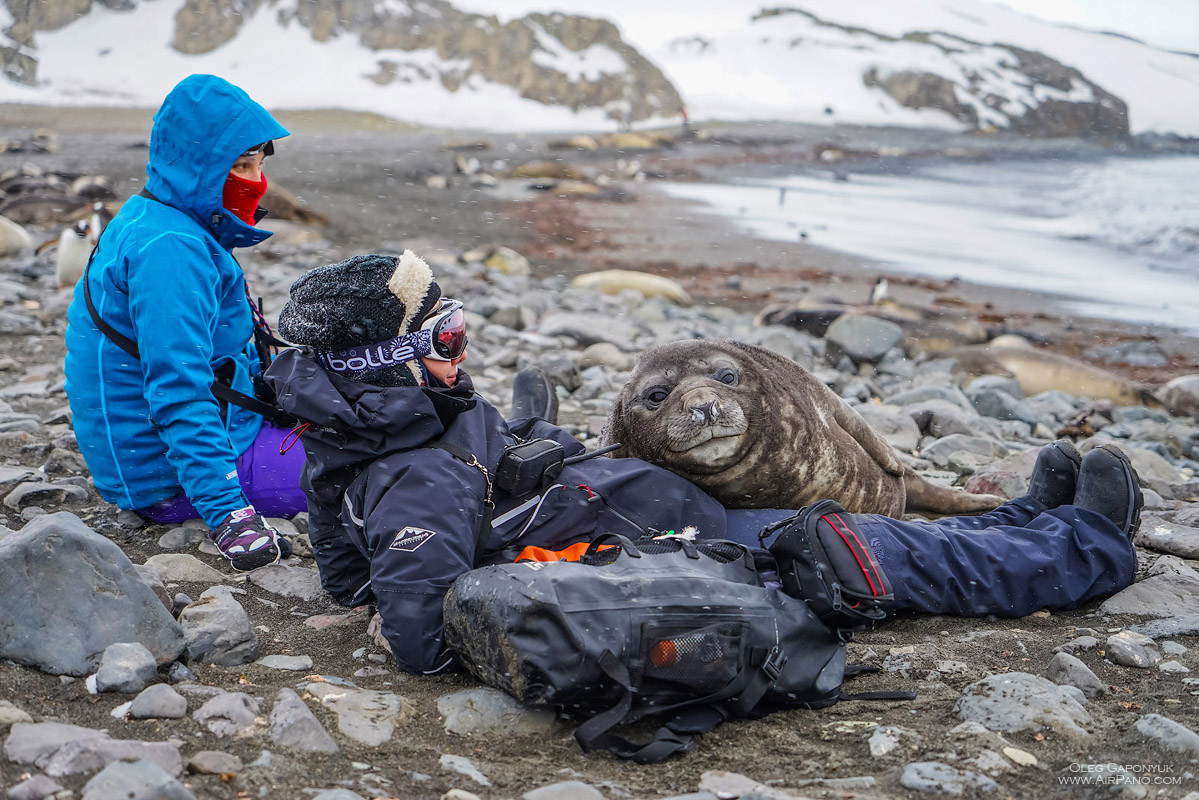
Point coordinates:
[(1133, 483)]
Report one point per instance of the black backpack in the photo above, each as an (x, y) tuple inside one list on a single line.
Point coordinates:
[(660, 626)]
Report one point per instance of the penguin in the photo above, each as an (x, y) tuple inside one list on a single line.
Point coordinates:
[(75, 246), (879, 292)]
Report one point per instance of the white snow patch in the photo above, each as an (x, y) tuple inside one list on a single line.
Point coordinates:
[(590, 64)]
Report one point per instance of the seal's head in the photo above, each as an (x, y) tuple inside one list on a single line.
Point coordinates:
[(692, 406)]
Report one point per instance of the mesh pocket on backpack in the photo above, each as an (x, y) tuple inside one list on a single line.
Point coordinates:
[(703, 659)]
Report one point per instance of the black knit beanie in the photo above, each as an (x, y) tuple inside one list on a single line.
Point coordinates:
[(360, 301)]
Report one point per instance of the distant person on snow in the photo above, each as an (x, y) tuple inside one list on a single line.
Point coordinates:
[(165, 346), (407, 492)]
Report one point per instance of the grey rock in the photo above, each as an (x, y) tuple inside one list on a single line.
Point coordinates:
[(1132, 649), (227, 714), (1057, 406), (1167, 648), (288, 581), (363, 715), (125, 667), (490, 711), (57, 556), (787, 342), (861, 337), (942, 451), (1181, 395), (181, 673), (218, 630), (294, 726), (138, 780), (1002, 482), (896, 426), (184, 568), (151, 578), (11, 715), (1009, 386), (89, 755), (1154, 471), (565, 790), (214, 762), (35, 742), (1065, 669), (10, 476), (1133, 354), (1167, 565), (939, 418), (291, 663), (159, 701), (1168, 537), (1017, 701), (923, 394), (182, 537), (586, 329), (463, 766), (1074, 645), (337, 794), (1157, 596), (933, 777), (1169, 734), (1172, 667), (36, 787), (42, 494), (606, 354), (1001, 405)]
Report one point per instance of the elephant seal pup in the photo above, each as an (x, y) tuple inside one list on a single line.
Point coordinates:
[(756, 430)]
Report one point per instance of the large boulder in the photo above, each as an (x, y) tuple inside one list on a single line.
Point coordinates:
[(69, 593), (1181, 396)]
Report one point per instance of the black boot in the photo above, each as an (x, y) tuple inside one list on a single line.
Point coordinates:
[(1055, 475), (1108, 485), (533, 395)]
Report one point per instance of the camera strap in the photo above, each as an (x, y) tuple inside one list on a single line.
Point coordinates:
[(471, 460)]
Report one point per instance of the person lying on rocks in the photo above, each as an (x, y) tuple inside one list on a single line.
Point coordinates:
[(405, 494), (161, 311)]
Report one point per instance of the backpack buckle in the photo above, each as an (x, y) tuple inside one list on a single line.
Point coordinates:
[(773, 665)]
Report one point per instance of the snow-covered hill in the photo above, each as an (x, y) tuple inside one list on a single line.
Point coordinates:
[(514, 64)]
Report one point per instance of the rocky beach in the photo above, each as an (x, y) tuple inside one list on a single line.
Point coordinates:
[(258, 685)]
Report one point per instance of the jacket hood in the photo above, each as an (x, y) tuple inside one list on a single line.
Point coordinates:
[(356, 422), (202, 127)]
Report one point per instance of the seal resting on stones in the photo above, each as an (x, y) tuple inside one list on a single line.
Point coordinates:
[(756, 430)]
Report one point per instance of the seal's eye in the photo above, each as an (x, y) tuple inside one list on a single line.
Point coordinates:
[(728, 376), (655, 396)]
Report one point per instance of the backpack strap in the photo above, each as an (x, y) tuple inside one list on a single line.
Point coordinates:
[(700, 715), (471, 460), (221, 390)]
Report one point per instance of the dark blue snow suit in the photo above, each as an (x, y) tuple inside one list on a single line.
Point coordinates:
[(394, 520)]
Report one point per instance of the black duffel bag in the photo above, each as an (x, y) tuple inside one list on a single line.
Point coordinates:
[(663, 626)]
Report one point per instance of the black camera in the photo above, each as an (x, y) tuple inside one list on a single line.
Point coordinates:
[(528, 466)]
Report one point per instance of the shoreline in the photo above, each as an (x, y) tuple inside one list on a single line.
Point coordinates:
[(368, 173)]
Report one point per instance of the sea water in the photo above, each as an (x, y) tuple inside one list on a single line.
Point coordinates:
[(1118, 237)]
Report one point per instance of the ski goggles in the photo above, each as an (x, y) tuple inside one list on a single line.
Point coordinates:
[(448, 328), (267, 148)]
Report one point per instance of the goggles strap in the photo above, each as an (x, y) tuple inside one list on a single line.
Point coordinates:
[(389, 353)]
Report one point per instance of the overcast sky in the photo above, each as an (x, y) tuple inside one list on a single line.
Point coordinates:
[(1172, 24)]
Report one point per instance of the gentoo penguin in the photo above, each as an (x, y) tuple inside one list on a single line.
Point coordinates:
[(75, 246), (879, 292)]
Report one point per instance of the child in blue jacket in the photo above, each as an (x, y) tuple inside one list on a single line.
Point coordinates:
[(163, 284)]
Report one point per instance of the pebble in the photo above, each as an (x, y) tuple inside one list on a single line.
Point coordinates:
[(366, 716), (125, 667), (1017, 701), (36, 787), (1065, 669), (289, 663), (295, 727), (184, 568), (463, 766), (10, 715), (1131, 649), (492, 712), (933, 777), (218, 630), (565, 790), (139, 780), (159, 701), (302, 583), (214, 762), (227, 714), (1169, 734)]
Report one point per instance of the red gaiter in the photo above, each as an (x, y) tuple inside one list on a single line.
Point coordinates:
[(242, 196)]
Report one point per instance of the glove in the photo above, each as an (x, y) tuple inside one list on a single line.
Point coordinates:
[(248, 541)]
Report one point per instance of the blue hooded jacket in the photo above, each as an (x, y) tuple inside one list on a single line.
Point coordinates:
[(164, 275)]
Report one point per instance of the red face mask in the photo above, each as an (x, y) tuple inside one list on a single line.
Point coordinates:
[(242, 196)]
